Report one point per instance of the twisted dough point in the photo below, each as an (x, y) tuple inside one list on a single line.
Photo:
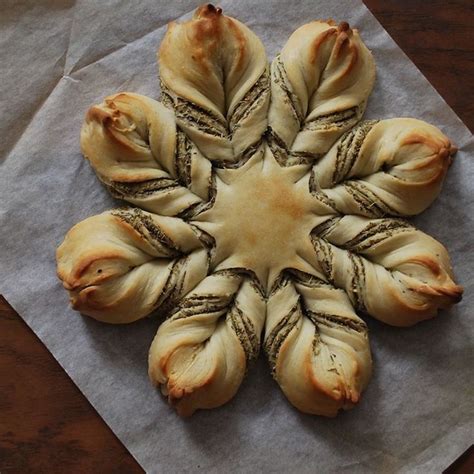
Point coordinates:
[(199, 355), (223, 92), (389, 269), (394, 166), (320, 84), (318, 347), (132, 143), (121, 265)]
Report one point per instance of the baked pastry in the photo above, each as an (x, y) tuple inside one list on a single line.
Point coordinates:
[(264, 211)]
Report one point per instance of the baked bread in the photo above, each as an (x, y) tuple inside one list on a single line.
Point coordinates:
[(264, 212)]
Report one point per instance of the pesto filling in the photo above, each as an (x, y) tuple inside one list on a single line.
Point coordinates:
[(322, 230), (142, 189), (251, 101), (144, 225), (244, 330), (280, 332), (375, 233), (336, 120), (183, 158), (348, 150), (337, 321), (357, 285), (325, 257), (368, 202), (280, 78)]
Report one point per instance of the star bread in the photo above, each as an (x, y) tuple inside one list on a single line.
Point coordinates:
[(263, 211)]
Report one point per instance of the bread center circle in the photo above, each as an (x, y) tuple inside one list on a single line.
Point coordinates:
[(262, 215)]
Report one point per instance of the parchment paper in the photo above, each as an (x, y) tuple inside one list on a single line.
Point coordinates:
[(58, 58)]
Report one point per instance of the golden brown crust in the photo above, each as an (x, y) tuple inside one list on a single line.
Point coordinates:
[(291, 211), (321, 82), (324, 362), (200, 354), (397, 164), (221, 97), (117, 264)]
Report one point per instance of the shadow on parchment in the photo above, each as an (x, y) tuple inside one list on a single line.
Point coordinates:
[(426, 345), (252, 399), (260, 397), (126, 344), (426, 340)]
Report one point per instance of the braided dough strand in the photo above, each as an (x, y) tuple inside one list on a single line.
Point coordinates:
[(133, 145), (320, 85), (221, 97), (317, 346), (199, 355), (391, 167), (389, 269), (122, 265)]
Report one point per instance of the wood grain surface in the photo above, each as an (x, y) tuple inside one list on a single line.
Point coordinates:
[(48, 426)]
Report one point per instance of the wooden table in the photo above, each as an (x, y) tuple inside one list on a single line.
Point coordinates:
[(46, 424)]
